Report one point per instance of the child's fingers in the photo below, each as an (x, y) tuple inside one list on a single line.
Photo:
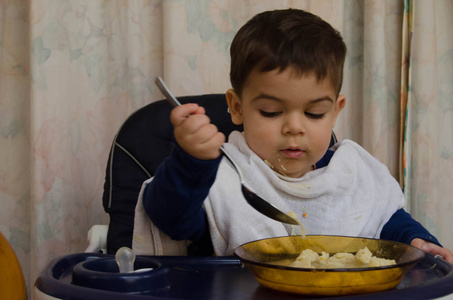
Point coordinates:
[(437, 250), (194, 132), (433, 249), (199, 138), (210, 136), (209, 148), (447, 255), (200, 110), (214, 145), (180, 113), (192, 125)]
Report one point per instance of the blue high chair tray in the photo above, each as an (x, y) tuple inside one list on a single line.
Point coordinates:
[(95, 276)]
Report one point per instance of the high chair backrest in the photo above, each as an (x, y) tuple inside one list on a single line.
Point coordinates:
[(144, 140)]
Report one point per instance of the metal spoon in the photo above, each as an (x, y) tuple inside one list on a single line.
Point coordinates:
[(253, 199)]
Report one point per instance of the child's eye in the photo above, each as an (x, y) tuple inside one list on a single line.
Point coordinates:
[(269, 114), (314, 116)]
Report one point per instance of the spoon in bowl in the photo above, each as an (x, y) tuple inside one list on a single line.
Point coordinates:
[(253, 199)]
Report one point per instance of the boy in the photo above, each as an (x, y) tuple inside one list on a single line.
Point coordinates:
[(286, 74)]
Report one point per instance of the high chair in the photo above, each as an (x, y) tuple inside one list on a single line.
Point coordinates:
[(143, 141)]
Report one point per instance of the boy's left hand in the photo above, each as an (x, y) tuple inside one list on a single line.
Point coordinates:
[(433, 249)]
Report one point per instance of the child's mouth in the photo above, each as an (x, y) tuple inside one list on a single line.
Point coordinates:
[(292, 153)]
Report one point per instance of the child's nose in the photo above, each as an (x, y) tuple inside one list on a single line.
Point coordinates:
[(294, 124)]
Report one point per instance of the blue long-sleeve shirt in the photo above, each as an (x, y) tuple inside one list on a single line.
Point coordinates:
[(174, 198)]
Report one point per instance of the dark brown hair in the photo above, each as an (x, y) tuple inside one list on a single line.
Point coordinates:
[(281, 38)]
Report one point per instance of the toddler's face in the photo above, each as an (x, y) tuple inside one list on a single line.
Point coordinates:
[(287, 118)]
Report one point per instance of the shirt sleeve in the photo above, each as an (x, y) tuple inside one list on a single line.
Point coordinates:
[(403, 228), (173, 199)]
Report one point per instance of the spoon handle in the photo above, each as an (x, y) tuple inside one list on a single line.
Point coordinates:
[(166, 91)]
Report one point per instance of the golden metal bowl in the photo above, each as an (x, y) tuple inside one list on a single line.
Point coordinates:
[(269, 260)]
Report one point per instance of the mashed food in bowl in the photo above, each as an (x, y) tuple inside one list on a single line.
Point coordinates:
[(362, 259), (310, 259)]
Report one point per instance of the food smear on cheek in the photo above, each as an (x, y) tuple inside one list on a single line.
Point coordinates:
[(282, 161), (280, 168)]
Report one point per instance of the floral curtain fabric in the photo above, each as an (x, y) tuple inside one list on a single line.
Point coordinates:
[(71, 72), (428, 137)]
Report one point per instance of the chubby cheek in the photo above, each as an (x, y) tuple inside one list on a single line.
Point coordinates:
[(320, 142), (260, 141)]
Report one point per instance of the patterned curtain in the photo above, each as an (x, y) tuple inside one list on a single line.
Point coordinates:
[(428, 137), (71, 71)]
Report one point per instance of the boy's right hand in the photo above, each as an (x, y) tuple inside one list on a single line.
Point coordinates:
[(194, 132)]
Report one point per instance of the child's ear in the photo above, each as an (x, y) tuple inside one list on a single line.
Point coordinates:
[(234, 106), (339, 105)]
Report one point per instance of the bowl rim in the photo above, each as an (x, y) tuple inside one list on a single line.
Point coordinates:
[(362, 269)]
